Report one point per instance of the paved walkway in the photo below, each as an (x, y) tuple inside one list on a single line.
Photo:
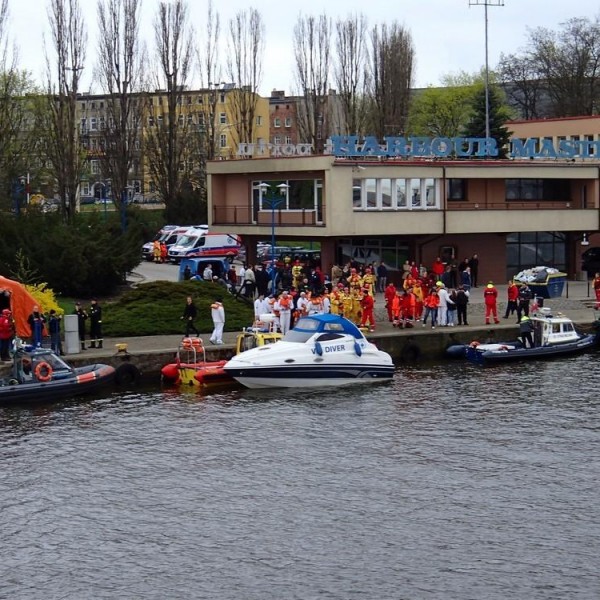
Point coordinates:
[(576, 302)]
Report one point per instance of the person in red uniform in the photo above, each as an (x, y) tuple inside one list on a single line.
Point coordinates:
[(596, 286), (7, 332), (438, 268), (512, 292), (389, 294), (366, 304), (490, 299)]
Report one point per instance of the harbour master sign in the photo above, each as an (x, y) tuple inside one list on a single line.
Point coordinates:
[(352, 146)]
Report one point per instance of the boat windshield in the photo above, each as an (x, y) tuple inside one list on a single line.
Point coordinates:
[(307, 327)]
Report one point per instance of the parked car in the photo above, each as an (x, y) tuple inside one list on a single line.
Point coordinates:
[(200, 244)]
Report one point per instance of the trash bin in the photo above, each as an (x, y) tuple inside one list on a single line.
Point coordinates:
[(72, 345), (552, 288)]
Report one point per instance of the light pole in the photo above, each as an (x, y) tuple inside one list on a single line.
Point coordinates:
[(485, 4), (269, 190)]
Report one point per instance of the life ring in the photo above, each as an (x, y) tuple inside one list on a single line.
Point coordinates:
[(43, 371), (411, 352)]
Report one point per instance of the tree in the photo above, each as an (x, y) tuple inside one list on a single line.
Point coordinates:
[(499, 113), (391, 76), (350, 70), (244, 68), (312, 42), (444, 111), (167, 140), (522, 84), (62, 132), (120, 71)]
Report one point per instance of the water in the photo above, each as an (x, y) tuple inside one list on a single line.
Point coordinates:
[(451, 482)]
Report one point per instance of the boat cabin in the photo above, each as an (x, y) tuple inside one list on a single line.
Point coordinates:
[(549, 329)]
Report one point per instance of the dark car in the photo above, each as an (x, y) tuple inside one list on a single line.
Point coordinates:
[(590, 261)]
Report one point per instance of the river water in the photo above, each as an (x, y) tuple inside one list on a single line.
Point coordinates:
[(451, 482)]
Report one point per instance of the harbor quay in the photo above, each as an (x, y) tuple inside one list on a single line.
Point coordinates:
[(146, 355)]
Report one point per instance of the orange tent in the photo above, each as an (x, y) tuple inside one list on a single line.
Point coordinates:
[(13, 295)]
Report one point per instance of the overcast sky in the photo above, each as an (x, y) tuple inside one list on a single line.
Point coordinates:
[(448, 35)]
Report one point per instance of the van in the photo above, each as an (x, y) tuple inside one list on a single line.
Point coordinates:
[(219, 266), (169, 234), (200, 244)]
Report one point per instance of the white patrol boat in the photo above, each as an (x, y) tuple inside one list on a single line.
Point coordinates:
[(321, 350)]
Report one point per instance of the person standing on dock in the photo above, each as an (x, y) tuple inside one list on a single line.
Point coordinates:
[(95, 324), (596, 286), (217, 312), (190, 312), (36, 322), (81, 319), (490, 299), (512, 292)]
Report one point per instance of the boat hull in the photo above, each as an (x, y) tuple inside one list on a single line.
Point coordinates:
[(310, 376), (584, 344), (83, 381)]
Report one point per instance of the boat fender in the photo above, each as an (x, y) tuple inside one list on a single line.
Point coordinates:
[(357, 349), (319, 348), (411, 352), (43, 371), (127, 374)]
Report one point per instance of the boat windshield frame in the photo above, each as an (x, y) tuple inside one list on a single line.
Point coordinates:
[(308, 326)]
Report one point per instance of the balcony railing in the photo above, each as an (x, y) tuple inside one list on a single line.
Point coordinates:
[(245, 215)]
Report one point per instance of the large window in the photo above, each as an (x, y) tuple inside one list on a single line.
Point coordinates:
[(538, 189), (535, 249), (395, 194), (301, 194), (457, 189)]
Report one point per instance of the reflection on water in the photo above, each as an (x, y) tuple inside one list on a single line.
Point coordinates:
[(451, 481)]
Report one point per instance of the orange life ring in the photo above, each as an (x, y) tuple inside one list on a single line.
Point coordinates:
[(43, 371)]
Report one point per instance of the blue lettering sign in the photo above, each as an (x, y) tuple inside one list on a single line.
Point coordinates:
[(339, 348)]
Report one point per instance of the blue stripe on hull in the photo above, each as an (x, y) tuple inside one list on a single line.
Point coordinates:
[(314, 372)]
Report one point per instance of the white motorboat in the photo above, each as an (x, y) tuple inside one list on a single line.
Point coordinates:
[(321, 350)]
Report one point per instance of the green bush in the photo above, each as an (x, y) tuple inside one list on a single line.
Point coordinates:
[(156, 308)]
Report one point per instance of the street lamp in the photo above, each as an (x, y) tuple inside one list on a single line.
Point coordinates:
[(270, 191)]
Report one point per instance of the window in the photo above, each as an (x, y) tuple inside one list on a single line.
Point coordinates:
[(95, 167), (83, 125), (288, 121), (222, 97), (85, 189), (93, 124), (371, 192), (430, 196), (357, 193), (456, 189), (537, 189), (288, 139), (150, 121), (277, 140), (101, 123), (159, 120), (223, 118), (276, 122), (302, 194), (401, 193), (259, 120), (223, 140), (415, 193), (386, 193)]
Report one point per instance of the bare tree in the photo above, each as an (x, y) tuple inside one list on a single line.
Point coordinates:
[(569, 65), (120, 72), (168, 132), (392, 67), (69, 42), (211, 72), (312, 48), (520, 79), (244, 68), (350, 72)]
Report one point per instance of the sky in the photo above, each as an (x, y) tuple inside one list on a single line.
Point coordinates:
[(448, 35)]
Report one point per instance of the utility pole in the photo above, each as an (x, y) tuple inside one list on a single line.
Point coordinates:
[(486, 4)]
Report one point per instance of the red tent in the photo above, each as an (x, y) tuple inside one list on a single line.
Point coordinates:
[(13, 295)]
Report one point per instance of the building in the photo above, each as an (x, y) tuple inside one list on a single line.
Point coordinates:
[(414, 199)]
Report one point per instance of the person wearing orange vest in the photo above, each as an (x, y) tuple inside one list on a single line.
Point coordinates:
[(163, 252), (284, 304), (156, 251), (396, 308), (490, 299), (408, 309), (431, 308), (366, 304)]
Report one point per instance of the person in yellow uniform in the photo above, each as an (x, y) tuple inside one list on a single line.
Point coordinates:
[(368, 281), (347, 303), (297, 274), (335, 298)]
